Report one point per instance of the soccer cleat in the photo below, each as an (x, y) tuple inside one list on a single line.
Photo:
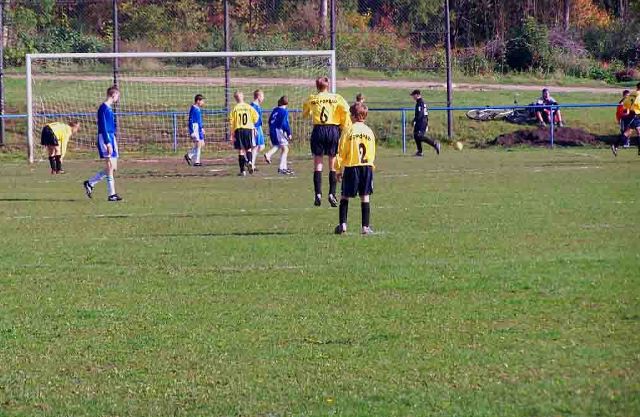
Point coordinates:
[(114, 197), (438, 148), (340, 229), (53, 171), (290, 171), (285, 172), (333, 200), (60, 172), (88, 189), (614, 150), (366, 230), (188, 159), (560, 124), (197, 164), (242, 174), (318, 200), (418, 154), (627, 143), (267, 159), (250, 168)]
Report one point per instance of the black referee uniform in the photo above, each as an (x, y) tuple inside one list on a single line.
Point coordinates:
[(421, 125)]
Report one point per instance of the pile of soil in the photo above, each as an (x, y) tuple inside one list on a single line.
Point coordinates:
[(564, 136)]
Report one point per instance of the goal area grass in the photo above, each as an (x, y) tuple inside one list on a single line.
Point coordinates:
[(498, 283)]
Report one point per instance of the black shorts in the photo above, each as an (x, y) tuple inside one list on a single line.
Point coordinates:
[(419, 132), (357, 180), (324, 140), (630, 122), (48, 138), (244, 139)]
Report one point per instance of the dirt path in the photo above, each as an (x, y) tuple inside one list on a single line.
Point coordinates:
[(342, 83)]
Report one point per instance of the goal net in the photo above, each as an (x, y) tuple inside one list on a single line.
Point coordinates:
[(157, 91)]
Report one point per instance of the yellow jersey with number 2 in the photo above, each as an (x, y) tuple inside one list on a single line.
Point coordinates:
[(357, 147), (326, 109)]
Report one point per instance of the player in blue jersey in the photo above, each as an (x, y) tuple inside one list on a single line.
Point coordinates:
[(258, 98), (280, 133), (196, 131), (107, 146)]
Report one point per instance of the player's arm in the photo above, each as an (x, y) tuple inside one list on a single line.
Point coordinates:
[(306, 109), (103, 127), (232, 125), (343, 107), (285, 123), (372, 150)]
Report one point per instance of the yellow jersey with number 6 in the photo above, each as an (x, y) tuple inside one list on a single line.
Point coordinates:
[(326, 109), (357, 147)]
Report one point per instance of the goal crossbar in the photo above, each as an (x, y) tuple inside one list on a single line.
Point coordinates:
[(331, 54)]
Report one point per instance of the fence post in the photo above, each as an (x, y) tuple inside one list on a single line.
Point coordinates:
[(551, 127), (404, 131), (175, 132)]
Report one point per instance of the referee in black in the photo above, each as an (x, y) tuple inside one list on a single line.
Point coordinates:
[(421, 124)]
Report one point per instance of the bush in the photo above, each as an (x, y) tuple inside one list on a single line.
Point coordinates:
[(472, 61), (528, 48), (627, 74), (614, 42)]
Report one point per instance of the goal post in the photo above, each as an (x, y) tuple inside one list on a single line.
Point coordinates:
[(157, 89)]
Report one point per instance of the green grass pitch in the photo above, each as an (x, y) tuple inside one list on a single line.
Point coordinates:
[(498, 284)]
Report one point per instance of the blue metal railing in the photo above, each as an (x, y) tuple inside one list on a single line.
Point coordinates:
[(403, 115)]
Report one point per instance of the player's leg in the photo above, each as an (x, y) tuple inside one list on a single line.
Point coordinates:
[(100, 175), (51, 151), (284, 168), (365, 190), (198, 152), (349, 190), (418, 139), (558, 118), (317, 150), (433, 143), (57, 156), (333, 181), (111, 166)]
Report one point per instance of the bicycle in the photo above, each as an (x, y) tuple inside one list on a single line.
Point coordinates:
[(517, 116)]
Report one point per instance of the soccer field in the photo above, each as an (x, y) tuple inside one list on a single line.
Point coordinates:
[(498, 283)]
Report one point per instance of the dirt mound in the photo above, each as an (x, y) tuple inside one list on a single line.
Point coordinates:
[(564, 136)]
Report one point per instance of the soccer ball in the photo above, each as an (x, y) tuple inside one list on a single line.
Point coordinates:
[(459, 145)]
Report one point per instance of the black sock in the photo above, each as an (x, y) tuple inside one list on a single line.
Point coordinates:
[(419, 145), (317, 182), (333, 180), (344, 208), (621, 140), (430, 142), (241, 162), (58, 163), (366, 213), (52, 162), (249, 157)]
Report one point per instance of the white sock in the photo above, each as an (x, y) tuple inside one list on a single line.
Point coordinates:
[(97, 178), (271, 151), (111, 185), (198, 152), (283, 158), (254, 156), (192, 152)]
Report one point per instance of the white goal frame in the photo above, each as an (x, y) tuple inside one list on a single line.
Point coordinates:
[(331, 54)]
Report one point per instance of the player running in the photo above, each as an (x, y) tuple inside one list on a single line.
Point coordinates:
[(55, 137), (196, 131), (421, 124), (242, 120), (107, 147), (330, 113), (280, 133), (630, 118), (258, 98), (356, 154)]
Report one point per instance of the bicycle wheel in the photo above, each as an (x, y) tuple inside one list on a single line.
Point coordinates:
[(480, 114)]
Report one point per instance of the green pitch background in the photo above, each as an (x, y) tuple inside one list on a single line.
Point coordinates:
[(499, 284)]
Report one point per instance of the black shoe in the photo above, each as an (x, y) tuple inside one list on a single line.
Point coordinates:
[(88, 189), (614, 150), (114, 197), (339, 230), (197, 164), (250, 168), (438, 148), (418, 154), (267, 159), (188, 159), (318, 201), (242, 174), (332, 200)]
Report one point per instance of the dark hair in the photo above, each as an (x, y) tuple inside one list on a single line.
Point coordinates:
[(359, 111), (322, 83), (625, 92), (198, 97), (359, 97), (283, 101), (111, 90), (415, 93), (638, 86), (256, 93), (545, 90)]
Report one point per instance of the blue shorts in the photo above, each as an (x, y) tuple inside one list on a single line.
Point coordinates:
[(102, 148), (259, 139), (630, 122)]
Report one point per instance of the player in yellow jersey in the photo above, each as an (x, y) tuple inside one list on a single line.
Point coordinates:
[(242, 120), (55, 137), (330, 113), (356, 154), (630, 118)]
